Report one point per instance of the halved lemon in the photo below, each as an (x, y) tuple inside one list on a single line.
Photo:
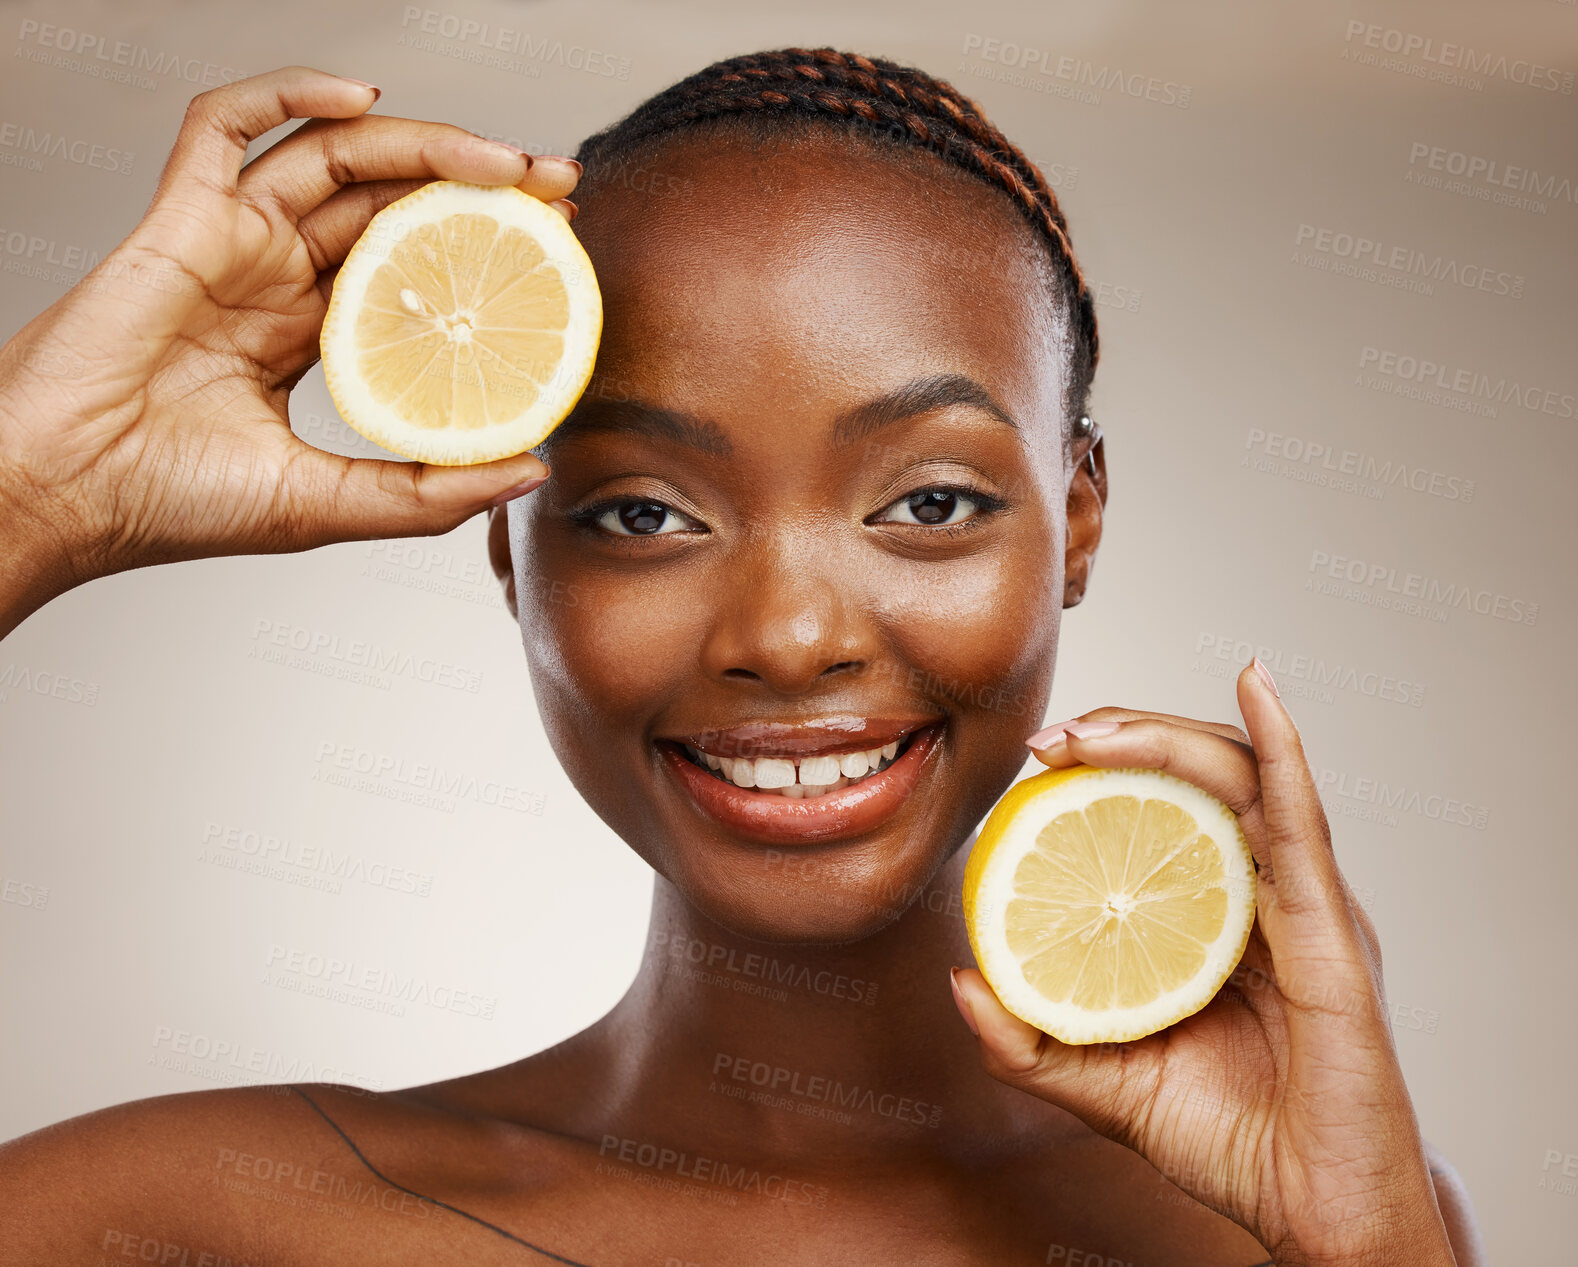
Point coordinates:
[(1104, 905), (463, 325)]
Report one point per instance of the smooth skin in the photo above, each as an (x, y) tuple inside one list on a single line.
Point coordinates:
[(746, 326)]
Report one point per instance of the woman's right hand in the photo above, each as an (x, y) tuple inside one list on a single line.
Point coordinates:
[(143, 415)]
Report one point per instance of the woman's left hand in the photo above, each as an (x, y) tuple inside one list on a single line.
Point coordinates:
[(1280, 1104)]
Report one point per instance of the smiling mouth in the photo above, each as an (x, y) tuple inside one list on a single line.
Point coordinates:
[(799, 777), (813, 782)]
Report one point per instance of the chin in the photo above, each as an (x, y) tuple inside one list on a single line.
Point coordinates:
[(825, 914), (833, 894)]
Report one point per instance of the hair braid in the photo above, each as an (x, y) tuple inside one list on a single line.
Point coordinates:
[(910, 107)]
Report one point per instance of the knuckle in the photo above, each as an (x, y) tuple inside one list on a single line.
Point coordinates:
[(1367, 934), (1015, 1067), (201, 107), (1153, 737), (339, 165)]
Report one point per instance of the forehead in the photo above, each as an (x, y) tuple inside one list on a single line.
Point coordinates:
[(809, 272)]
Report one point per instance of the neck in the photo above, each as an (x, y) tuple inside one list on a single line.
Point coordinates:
[(803, 1052)]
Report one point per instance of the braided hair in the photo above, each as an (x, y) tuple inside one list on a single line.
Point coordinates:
[(774, 91)]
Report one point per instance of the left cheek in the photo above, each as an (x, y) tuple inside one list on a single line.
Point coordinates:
[(979, 635)]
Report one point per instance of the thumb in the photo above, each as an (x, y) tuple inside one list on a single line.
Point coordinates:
[(1102, 1084), (356, 499)]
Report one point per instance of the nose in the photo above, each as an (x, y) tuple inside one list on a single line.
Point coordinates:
[(789, 622)]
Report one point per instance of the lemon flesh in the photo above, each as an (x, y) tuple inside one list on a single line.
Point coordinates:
[(463, 325), (1105, 905)]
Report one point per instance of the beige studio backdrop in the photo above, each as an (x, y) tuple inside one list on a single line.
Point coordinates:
[(1335, 248)]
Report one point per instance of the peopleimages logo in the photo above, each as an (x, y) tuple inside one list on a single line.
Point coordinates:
[(1376, 800), (1489, 172), (779, 1081), (1314, 455), (1425, 57), (1387, 582), (1333, 245), (100, 58), (1299, 674), (1042, 70), (1423, 375), (502, 47), (345, 980), (27, 147)]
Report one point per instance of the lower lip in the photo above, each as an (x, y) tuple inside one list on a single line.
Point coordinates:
[(850, 811)]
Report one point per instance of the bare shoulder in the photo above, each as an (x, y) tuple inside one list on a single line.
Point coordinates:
[(246, 1175), (1457, 1210)]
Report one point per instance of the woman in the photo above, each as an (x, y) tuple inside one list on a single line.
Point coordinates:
[(827, 494)]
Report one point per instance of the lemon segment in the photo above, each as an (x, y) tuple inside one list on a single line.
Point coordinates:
[(1105, 905), (463, 325)]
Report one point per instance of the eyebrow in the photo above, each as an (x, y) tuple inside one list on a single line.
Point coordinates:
[(644, 419), (920, 396)]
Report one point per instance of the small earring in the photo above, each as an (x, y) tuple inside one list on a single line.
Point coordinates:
[(1084, 427)]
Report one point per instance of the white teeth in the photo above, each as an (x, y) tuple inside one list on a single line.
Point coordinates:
[(816, 776), (773, 772), (818, 770)]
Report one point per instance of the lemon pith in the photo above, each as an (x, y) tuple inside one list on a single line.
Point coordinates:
[(1104, 905)]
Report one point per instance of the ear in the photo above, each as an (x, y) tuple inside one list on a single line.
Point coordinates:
[(499, 553), (1087, 500)]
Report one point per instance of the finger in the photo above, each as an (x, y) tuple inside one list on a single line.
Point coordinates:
[(222, 122), (321, 157), (1047, 744), (551, 177), (331, 229), (1303, 868), (1212, 762), (331, 498), (1102, 1084)]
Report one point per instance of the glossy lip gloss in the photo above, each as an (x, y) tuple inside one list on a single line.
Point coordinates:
[(768, 816)]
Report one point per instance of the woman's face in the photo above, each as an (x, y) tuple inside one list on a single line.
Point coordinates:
[(812, 505)]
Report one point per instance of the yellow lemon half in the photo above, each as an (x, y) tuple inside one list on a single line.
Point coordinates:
[(463, 325), (1104, 905)]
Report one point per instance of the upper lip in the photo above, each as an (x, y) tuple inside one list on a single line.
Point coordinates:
[(814, 737)]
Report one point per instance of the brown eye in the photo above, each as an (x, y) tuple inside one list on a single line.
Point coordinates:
[(642, 519), (933, 508)]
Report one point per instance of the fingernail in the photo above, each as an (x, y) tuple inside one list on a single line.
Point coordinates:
[(482, 146), (1046, 738), (1265, 676), (962, 1003), (362, 83), (574, 210), (550, 160), (520, 490)]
